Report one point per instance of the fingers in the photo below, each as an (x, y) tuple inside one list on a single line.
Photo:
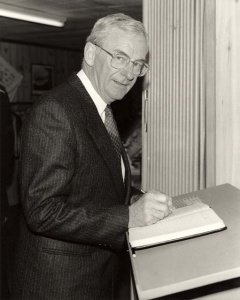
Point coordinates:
[(170, 201), (152, 220), (161, 197), (160, 210), (151, 207)]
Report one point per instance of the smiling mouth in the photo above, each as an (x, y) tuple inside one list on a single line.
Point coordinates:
[(121, 84)]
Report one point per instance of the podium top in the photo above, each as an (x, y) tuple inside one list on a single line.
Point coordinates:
[(171, 268)]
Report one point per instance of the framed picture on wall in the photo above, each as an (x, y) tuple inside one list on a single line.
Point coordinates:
[(42, 78)]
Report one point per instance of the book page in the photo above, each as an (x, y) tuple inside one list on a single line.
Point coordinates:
[(178, 203), (188, 221), (185, 210)]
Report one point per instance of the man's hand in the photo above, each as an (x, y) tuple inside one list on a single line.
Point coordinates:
[(149, 209)]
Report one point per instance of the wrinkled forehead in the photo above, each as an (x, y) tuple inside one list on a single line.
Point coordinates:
[(126, 41)]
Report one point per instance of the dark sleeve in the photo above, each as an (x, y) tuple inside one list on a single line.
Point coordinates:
[(7, 138), (135, 194), (48, 166)]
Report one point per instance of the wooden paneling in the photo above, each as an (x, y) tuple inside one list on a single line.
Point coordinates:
[(174, 118), (180, 145), (209, 55), (21, 57), (228, 92)]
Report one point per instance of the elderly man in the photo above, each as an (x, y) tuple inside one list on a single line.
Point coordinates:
[(76, 194)]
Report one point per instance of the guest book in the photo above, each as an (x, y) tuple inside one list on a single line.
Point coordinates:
[(190, 218)]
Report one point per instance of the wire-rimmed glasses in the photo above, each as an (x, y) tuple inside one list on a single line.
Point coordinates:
[(121, 61)]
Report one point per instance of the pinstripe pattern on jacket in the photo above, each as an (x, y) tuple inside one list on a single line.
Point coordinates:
[(75, 204)]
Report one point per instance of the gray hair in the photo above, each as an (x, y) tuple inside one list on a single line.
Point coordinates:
[(119, 20)]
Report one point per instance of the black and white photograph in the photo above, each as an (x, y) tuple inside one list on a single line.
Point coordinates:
[(120, 149)]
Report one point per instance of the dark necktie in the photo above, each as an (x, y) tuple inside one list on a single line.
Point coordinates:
[(112, 130)]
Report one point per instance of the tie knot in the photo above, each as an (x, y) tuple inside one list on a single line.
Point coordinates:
[(108, 110)]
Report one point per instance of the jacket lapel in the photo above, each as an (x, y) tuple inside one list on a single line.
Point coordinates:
[(127, 181), (98, 132)]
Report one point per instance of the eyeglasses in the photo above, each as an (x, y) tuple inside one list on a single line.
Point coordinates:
[(121, 61)]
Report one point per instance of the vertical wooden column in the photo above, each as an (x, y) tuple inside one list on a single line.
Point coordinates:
[(228, 92), (173, 98)]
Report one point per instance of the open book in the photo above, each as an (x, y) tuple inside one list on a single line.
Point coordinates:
[(189, 218)]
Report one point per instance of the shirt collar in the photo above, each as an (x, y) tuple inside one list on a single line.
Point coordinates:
[(98, 101)]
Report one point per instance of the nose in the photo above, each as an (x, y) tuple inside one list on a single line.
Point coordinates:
[(128, 71)]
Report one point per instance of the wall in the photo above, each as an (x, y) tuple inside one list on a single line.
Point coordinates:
[(228, 92), (171, 122), (174, 103), (21, 57)]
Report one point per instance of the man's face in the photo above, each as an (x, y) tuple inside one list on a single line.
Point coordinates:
[(113, 84)]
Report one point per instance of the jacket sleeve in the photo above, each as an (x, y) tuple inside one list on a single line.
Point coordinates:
[(7, 138), (48, 167)]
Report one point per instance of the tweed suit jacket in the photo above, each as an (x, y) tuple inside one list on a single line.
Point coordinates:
[(75, 204)]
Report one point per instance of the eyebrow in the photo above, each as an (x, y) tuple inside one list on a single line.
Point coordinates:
[(117, 51)]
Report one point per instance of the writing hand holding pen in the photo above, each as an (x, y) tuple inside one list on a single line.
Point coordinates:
[(170, 204), (151, 207)]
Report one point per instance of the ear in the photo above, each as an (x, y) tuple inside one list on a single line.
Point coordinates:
[(89, 53)]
